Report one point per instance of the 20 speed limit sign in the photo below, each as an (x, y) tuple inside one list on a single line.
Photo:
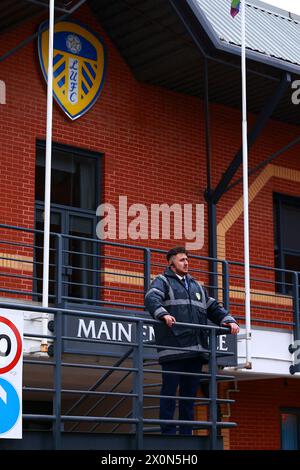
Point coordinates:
[(10, 345)]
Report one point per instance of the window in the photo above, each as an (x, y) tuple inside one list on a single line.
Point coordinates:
[(74, 177), (290, 424), (287, 241)]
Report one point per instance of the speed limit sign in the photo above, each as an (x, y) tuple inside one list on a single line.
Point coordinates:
[(11, 347)]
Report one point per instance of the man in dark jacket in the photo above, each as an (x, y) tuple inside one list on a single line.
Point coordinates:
[(174, 297)]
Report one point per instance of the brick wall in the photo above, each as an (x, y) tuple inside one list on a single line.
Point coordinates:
[(257, 412), (152, 140)]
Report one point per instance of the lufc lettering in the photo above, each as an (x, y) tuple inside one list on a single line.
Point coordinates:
[(73, 81)]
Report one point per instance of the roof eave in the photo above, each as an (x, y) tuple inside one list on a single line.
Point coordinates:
[(234, 49)]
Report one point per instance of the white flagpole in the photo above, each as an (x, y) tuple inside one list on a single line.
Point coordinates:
[(48, 175), (245, 190)]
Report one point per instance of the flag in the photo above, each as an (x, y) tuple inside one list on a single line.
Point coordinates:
[(235, 7)]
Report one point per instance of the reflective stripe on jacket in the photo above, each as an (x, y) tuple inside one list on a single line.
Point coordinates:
[(167, 295)]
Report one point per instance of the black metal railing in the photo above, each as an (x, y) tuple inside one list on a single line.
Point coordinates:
[(108, 283), (85, 410), (117, 276)]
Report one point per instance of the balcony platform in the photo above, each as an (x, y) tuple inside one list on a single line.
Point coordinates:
[(43, 440)]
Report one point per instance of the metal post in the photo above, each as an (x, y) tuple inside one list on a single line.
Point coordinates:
[(58, 270), (48, 174), (58, 348), (213, 412), (246, 192), (57, 381), (207, 129), (138, 386), (212, 241), (212, 209), (295, 345), (147, 269), (225, 284), (296, 305)]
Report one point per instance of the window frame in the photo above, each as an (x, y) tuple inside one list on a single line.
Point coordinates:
[(278, 201), (85, 153), (293, 411)]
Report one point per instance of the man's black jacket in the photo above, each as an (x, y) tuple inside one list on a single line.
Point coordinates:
[(169, 296)]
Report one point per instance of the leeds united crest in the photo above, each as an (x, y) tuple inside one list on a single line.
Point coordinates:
[(78, 66)]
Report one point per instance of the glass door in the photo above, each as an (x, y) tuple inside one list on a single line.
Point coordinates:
[(80, 259), (56, 226)]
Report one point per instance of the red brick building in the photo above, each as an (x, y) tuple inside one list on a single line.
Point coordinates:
[(153, 137)]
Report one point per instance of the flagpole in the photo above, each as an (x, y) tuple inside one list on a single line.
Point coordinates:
[(245, 189), (48, 177)]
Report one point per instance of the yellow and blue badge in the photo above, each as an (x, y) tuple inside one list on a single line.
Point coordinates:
[(79, 64)]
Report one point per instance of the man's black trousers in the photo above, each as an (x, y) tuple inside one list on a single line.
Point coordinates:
[(188, 386)]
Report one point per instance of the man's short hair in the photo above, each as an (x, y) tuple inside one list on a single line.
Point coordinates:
[(175, 251)]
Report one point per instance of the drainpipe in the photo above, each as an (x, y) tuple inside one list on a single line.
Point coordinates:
[(211, 206)]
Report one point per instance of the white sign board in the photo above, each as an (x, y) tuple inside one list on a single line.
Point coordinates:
[(11, 362)]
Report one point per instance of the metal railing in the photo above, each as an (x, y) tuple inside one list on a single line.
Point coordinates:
[(77, 408), (85, 271), (108, 282)]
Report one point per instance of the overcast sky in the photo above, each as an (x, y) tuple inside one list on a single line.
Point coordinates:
[(290, 5)]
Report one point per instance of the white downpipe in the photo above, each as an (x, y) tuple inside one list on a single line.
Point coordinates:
[(44, 344), (246, 193)]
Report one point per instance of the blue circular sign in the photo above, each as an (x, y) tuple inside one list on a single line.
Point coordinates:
[(9, 406)]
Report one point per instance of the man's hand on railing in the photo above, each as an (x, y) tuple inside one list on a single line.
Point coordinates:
[(234, 328), (169, 320)]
